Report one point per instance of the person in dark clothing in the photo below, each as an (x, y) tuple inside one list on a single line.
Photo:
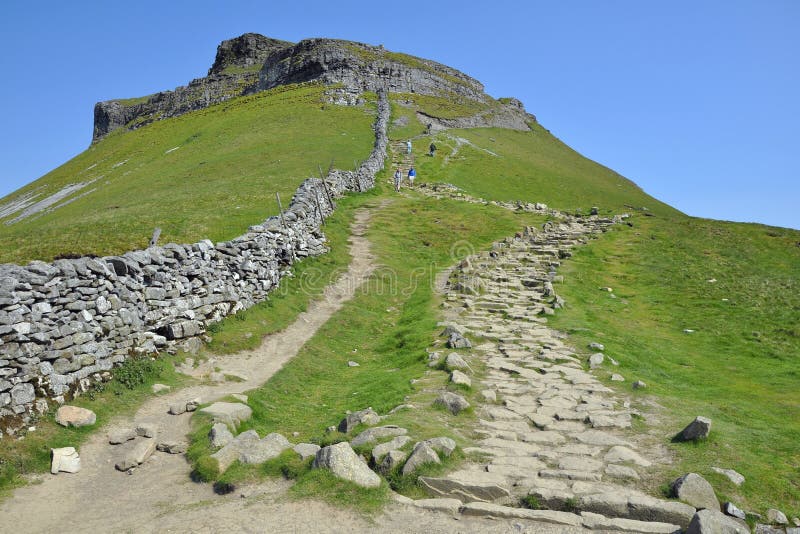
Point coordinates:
[(432, 150)]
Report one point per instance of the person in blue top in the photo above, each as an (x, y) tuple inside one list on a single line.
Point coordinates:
[(408, 146), (412, 173)]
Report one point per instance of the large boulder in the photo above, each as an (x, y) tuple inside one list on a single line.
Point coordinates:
[(697, 429), (693, 489), (713, 522), (344, 463), (75, 416)]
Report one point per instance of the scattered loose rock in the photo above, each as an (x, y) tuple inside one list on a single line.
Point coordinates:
[(733, 476), (460, 379), (306, 450), (732, 510), (639, 385), (64, 460), (351, 363), (455, 361), (121, 435), (220, 435), (379, 451), (693, 489), (711, 521), (230, 413), (392, 460), (141, 451), (146, 430), (697, 429), (172, 447), (422, 454), (372, 435), (453, 402), (596, 360), (249, 449), (75, 416), (362, 417), (344, 463), (597, 346), (776, 517), (442, 445), (617, 378), (457, 341)]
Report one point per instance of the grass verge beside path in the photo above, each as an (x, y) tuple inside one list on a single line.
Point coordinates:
[(131, 386), (736, 286), (385, 328)]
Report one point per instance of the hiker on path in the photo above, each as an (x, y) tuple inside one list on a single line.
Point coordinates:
[(412, 173), (432, 150), (408, 146), (398, 177)]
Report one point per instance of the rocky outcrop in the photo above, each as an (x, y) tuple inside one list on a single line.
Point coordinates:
[(252, 63), (360, 67), (64, 325), (234, 73)]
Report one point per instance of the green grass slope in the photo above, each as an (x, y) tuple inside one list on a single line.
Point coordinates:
[(206, 174)]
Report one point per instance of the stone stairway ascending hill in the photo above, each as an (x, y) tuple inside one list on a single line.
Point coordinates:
[(551, 432), (401, 159)]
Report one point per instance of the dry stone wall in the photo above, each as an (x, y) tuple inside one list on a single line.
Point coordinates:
[(65, 324)]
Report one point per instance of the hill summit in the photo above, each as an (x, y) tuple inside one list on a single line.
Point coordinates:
[(252, 63)]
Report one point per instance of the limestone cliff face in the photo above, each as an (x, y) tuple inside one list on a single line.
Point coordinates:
[(234, 73), (360, 67), (252, 63)]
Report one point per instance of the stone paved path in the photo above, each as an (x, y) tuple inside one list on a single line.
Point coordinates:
[(550, 430)]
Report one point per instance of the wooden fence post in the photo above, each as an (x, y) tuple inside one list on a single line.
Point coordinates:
[(154, 239), (280, 208)]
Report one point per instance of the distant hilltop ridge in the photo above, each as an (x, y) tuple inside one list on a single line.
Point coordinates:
[(251, 63)]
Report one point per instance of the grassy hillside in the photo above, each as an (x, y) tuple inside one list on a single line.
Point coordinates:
[(738, 367), (206, 174), (734, 285)]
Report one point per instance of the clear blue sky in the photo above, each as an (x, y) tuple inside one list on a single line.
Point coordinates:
[(697, 102)]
